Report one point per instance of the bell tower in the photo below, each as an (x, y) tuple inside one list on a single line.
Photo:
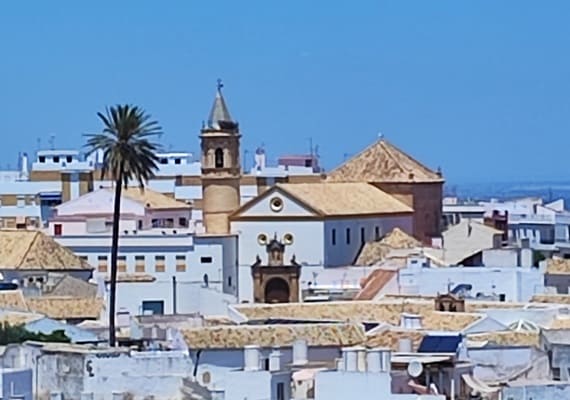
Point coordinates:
[(221, 167)]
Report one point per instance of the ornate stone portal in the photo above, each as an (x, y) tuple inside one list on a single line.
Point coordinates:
[(275, 282)]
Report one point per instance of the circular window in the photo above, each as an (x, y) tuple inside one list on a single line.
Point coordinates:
[(276, 204)]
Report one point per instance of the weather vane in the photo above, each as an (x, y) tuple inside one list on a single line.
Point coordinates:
[(220, 84)]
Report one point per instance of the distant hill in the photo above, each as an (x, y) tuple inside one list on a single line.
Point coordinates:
[(509, 190)]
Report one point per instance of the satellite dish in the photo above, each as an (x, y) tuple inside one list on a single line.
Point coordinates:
[(415, 368)]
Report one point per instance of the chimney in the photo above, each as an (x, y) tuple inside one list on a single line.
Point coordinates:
[(350, 359), (275, 360), (525, 254), (410, 321), (378, 360), (24, 172), (360, 358), (300, 352), (405, 345), (251, 358)]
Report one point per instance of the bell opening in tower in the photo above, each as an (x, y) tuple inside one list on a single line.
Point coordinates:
[(219, 158)]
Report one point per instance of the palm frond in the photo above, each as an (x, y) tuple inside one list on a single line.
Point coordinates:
[(126, 142)]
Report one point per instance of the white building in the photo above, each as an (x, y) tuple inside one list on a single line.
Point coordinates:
[(367, 370), (163, 265), (507, 283), (323, 224)]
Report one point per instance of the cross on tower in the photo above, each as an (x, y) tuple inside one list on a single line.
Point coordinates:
[(220, 84)]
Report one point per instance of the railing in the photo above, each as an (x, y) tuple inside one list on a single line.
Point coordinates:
[(532, 218)]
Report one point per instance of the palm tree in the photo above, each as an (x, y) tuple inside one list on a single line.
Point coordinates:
[(128, 154)]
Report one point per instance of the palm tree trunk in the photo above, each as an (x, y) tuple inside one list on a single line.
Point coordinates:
[(114, 252)]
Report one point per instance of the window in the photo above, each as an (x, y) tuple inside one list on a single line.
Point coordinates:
[(206, 260), (84, 258), (57, 229), (55, 159), (159, 264), (42, 159), (347, 235), (139, 264), (280, 391), (164, 160), (121, 263), (153, 307), (362, 235), (139, 224), (333, 237), (377, 233), (183, 222), (68, 158), (219, 158), (276, 204), (229, 281), (177, 161), (21, 201), (102, 263), (170, 222), (181, 263)]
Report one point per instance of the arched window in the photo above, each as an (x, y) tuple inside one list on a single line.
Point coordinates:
[(219, 158)]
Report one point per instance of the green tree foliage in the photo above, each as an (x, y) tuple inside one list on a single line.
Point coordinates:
[(19, 334)]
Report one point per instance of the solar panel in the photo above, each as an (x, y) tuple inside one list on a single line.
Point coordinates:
[(439, 344)]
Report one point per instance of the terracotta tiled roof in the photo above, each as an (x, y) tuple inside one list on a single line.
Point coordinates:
[(238, 336), (383, 162), (15, 318), (391, 338), (151, 199), (558, 266), (67, 285), (474, 305), (67, 307), (507, 338), (551, 298), (449, 321), (374, 282), (13, 300), (34, 250), (560, 323), (337, 199), (129, 278), (374, 252), (355, 311)]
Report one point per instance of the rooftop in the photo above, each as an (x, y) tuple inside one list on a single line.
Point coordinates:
[(132, 278), (236, 337), (551, 298), (34, 250), (151, 199), (387, 311), (337, 199), (558, 266), (67, 285), (67, 307), (507, 338), (383, 162), (376, 251), (13, 300)]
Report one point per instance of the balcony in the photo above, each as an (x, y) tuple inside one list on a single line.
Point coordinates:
[(542, 219)]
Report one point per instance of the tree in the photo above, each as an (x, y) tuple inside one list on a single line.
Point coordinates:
[(129, 153), (19, 334)]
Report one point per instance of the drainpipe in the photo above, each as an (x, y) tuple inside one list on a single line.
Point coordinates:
[(174, 295)]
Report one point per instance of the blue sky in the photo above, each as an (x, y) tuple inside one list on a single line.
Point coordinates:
[(480, 88)]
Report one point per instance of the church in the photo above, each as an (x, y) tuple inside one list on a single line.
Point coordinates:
[(306, 226)]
